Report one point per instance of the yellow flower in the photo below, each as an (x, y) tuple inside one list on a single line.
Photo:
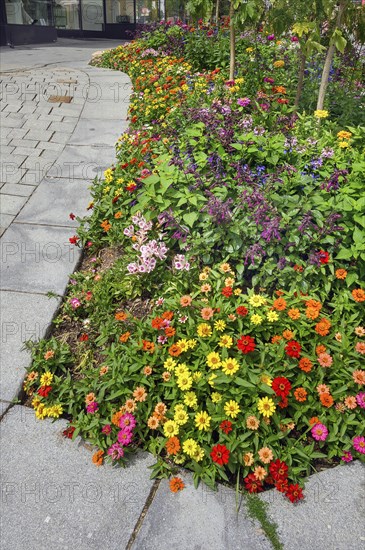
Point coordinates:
[(230, 366), (55, 411), (36, 402), (189, 447), (169, 364), (179, 407), (216, 397), (231, 408), (219, 325), (192, 343), (248, 50), (197, 376), (179, 459), (214, 360), (181, 417), (190, 399), (266, 406), (256, 300), (343, 144), (344, 135), (183, 344), (272, 316), (237, 291), (184, 382), (265, 379), (225, 267), (170, 428), (204, 330), (211, 379), (278, 64), (202, 420), (198, 454), (41, 412), (320, 113), (46, 379), (203, 276), (225, 341), (229, 281), (181, 369), (256, 319)]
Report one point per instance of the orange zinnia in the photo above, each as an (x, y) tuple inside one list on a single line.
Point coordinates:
[(341, 273), (358, 295), (161, 408), (140, 394), (148, 346), (175, 350), (157, 323), (326, 399), (288, 334), (279, 304), (120, 316), (173, 445), (323, 327), (124, 337), (98, 458), (320, 349), (275, 339), (170, 331), (185, 301), (167, 315), (300, 394), (313, 420), (305, 364), (176, 484), (116, 418), (294, 313), (312, 313)]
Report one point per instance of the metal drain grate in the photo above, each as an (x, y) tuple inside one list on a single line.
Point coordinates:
[(59, 99)]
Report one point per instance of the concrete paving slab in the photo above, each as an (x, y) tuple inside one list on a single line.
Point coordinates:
[(16, 189), (112, 110), (37, 258), (9, 204), (82, 162), (199, 519), (54, 200), (332, 515), (5, 221), (95, 132), (23, 317), (55, 498)]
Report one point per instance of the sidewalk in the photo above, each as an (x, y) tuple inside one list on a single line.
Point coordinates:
[(52, 496)]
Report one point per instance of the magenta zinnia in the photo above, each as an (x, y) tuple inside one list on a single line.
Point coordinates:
[(359, 444), (319, 432)]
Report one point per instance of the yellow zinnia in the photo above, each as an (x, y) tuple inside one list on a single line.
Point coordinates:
[(46, 379), (266, 406), (320, 113), (170, 428), (231, 408), (256, 300), (202, 420), (225, 341), (189, 447), (256, 319), (204, 330), (190, 399), (272, 316), (230, 366), (214, 360)]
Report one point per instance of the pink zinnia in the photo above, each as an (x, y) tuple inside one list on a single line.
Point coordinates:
[(115, 451), (359, 444), (125, 437), (347, 456), (360, 399), (360, 348), (319, 432), (106, 429), (92, 407), (325, 360), (75, 303), (127, 422)]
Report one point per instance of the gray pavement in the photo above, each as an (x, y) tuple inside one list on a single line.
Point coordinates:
[(59, 121)]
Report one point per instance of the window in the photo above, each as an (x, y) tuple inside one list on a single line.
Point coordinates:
[(29, 12), (119, 11)]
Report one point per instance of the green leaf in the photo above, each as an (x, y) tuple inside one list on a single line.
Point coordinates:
[(190, 218), (344, 254)]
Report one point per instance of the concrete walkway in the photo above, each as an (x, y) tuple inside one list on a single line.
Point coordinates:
[(52, 496)]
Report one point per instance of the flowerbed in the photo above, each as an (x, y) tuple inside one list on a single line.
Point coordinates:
[(243, 247)]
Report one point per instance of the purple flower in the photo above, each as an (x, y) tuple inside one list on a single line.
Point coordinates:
[(115, 451), (127, 422), (360, 400), (271, 37), (125, 437), (75, 303), (319, 432), (347, 456), (359, 444), (92, 407), (243, 101)]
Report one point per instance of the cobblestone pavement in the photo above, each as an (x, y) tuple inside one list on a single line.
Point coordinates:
[(52, 496)]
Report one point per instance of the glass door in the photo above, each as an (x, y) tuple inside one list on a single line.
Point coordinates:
[(92, 15)]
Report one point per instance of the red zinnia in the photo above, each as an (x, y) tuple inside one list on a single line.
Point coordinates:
[(246, 344), (294, 493), (323, 256), (227, 291), (281, 485), (73, 240), (293, 349), (242, 310), (83, 338), (281, 386), (283, 403), (220, 454), (44, 391), (278, 469), (252, 484), (68, 432), (226, 426)]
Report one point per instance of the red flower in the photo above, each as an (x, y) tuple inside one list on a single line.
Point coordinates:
[(281, 485), (294, 493), (242, 310), (226, 426), (220, 454), (283, 403), (293, 349), (323, 256), (281, 386), (44, 391), (73, 240), (115, 199), (72, 216), (252, 484), (246, 344), (227, 291), (68, 432), (83, 338), (131, 187), (278, 470)]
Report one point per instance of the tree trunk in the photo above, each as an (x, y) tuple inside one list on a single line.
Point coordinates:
[(232, 43), (303, 59), (329, 58), (216, 11)]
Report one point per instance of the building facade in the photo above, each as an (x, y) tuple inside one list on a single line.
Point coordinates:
[(37, 21)]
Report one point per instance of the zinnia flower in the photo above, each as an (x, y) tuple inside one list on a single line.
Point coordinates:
[(252, 485), (226, 426), (359, 444), (347, 456), (248, 459), (325, 360), (220, 454), (358, 295), (294, 493), (360, 400), (319, 432), (252, 423), (260, 473), (359, 376), (266, 407), (231, 408), (360, 347), (305, 364), (202, 420), (173, 445), (281, 386), (176, 484), (246, 344), (265, 455), (300, 394), (278, 469), (293, 349)]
